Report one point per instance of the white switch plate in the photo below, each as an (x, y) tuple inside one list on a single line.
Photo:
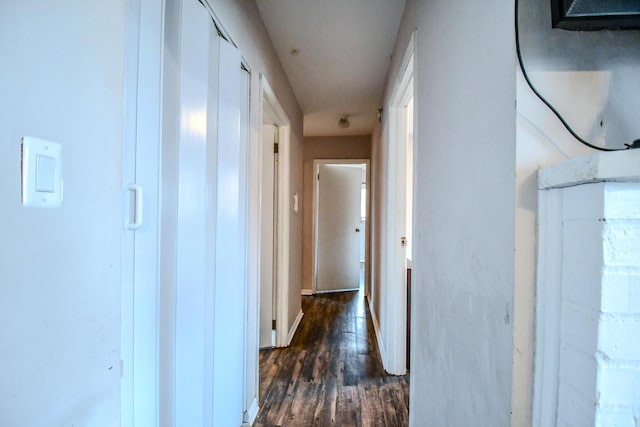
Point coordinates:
[(41, 173)]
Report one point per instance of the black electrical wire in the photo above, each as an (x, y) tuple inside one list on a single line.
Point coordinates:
[(543, 99)]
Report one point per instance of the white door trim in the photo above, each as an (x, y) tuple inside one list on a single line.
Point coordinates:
[(395, 277), (314, 219), (274, 110)]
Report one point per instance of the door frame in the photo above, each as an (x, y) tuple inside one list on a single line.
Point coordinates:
[(314, 219), (404, 89), (269, 105)]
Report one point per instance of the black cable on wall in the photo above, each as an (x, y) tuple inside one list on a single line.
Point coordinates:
[(635, 144)]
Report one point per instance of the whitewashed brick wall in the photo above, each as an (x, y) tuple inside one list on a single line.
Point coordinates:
[(599, 360), (619, 336)]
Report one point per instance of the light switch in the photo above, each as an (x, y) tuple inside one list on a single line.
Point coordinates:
[(45, 174), (41, 173)]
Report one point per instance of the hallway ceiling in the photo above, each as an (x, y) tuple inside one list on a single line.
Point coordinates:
[(343, 53)]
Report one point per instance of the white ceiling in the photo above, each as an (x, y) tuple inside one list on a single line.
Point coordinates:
[(344, 51)]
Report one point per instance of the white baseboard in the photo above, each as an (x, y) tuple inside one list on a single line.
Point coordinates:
[(294, 327), (251, 414), (306, 291), (376, 329), (333, 291)]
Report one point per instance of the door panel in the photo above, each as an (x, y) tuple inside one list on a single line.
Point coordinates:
[(338, 227), (267, 221), (230, 245), (196, 217), (211, 233)]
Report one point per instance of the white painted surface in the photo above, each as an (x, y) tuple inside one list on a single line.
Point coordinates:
[(169, 197), (587, 366), (267, 247), (62, 80), (358, 148), (196, 251), (249, 250), (243, 23), (211, 253), (294, 327), (590, 169), (230, 244), (398, 206), (140, 258), (590, 77), (282, 199), (338, 219), (464, 198), (344, 54), (41, 173)]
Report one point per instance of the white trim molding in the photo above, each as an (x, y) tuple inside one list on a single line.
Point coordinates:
[(376, 329), (294, 327)]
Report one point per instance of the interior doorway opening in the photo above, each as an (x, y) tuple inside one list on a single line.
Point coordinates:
[(340, 228), (274, 222), (399, 224)]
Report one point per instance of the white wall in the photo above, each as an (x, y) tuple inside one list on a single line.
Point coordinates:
[(463, 267), (590, 77), (62, 80)]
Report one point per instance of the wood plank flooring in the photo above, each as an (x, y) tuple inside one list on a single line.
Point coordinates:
[(331, 375)]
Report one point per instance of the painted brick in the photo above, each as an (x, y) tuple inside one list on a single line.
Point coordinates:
[(619, 338), (619, 386), (622, 417), (620, 291), (621, 245), (599, 354), (622, 200)]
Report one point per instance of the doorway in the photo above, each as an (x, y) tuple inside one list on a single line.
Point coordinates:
[(341, 235), (274, 222), (269, 227), (400, 216)]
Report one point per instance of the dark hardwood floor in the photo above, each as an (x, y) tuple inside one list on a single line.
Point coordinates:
[(331, 375)]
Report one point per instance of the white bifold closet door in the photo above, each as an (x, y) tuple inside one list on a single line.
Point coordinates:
[(212, 211)]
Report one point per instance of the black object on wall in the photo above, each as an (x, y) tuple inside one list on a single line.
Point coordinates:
[(579, 15)]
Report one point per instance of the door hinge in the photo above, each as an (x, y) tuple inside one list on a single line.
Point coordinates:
[(273, 324), (318, 176), (275, 148)]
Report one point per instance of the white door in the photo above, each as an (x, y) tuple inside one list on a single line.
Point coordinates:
[(338, 227), (268, 249), (210, 300)]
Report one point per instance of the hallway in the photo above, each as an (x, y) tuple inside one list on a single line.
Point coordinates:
[(332, 373)]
